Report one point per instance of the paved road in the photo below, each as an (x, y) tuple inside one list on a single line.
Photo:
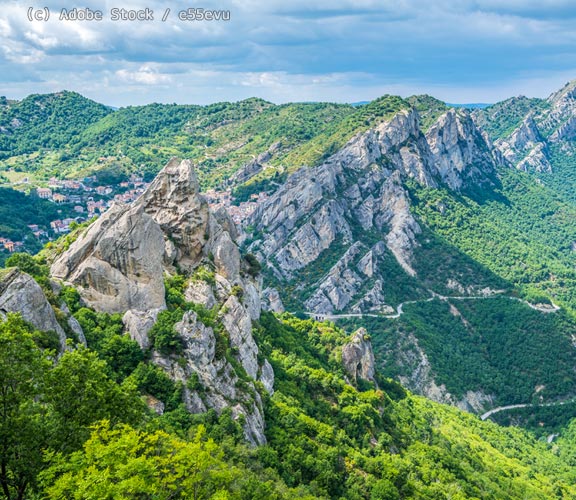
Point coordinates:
[(400, 308), (488, 414)]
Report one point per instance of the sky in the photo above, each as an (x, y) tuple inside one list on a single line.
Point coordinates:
[(464, 51)]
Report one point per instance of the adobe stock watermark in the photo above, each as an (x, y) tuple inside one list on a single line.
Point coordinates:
[(87, 14)]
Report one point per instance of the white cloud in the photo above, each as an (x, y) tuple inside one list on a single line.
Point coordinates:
[(147, 74), (344, 50)]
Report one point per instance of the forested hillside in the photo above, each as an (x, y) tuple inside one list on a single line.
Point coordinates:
[(404, 268)]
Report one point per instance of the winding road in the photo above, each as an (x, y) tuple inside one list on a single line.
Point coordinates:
[(498, 409), (543, 308)]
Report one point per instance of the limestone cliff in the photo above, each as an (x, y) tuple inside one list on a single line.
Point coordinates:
[(342, 221), (19, 293), (119, 265), (547, 124), (358, 358)]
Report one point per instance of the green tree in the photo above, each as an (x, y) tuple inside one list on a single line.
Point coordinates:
[(22, 427), (81, 393), (125, 463)]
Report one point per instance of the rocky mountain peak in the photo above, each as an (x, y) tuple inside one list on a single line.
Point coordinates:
[(174, 203), (462, 154), (565, 96), (358, 195), (526, 148), (119, 264), (19, 293)]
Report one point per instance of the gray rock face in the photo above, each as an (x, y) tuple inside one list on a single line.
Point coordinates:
[(461, 152), (251, 299), (271, 300), (119, 265), (526, 148), (174, 203), (358, 194), (403, 228), (238, 324), (255, 166), (218, 382), (267, 377), (77, 329), (200, 292), (19, 293), (138, 324), (358, 358), (552, 123)]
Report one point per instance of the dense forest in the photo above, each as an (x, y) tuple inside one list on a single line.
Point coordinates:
[(82, 423), (77, 426)]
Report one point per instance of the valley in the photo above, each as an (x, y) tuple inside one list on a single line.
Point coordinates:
[(318, 300)]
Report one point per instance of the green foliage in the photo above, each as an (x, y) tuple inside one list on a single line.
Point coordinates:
[(163, 337), (340, 132), (497, 345), (150, 379), (48, 405), (237, 291), (254, 266), (35, 267), (348, 444), (22, 433), (500, 119), (81, 393), (429, 109), (540, 420), (126, 463), (71, 298), (46, 121), (204, 273), (326, 439), (105, 335), (523, 235), (243, 192), (220, 138), (174, 290)]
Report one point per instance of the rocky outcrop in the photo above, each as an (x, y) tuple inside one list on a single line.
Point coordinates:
[(317, 224), (217, 385), (173, 201), (358, 358), (267, 377), (462, 153), (76, 328), (138, 324), (525, 148), (255, 166), (200, 292), (548, 123), (119, 265), (403, 228), (238, 324), (19, 293), (271, 300)]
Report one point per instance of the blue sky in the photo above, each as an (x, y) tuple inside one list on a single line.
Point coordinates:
[(299, 50)]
